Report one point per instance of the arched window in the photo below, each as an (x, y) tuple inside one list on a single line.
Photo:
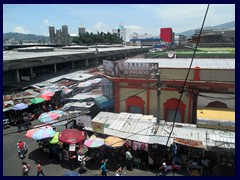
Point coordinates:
[(170, 107), (135, 104)]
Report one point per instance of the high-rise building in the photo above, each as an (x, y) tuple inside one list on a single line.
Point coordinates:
[(81, 30), (65, 34), (60, 37), (52, 34), (121, 32)]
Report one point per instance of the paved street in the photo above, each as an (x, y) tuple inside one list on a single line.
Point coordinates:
[(12, 164)]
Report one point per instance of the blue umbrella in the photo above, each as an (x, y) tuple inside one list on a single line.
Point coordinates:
[(43, 133), (20, 106), (71, 173)]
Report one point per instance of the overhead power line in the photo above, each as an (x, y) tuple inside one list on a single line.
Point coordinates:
[(185, 81)]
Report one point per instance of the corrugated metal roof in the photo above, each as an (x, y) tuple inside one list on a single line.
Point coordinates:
[(184, 63), (138, 127)]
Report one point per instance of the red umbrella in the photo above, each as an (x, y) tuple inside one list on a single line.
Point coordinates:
[(71, 136)]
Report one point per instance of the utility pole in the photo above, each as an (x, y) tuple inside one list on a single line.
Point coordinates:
[(158, 101), (158, 96)]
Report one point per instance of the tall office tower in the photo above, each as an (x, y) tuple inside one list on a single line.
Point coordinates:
[(81, 30), (121, 32), (65, 34), (52, 34)]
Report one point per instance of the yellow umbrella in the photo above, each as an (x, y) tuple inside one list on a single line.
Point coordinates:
[(114, 142)]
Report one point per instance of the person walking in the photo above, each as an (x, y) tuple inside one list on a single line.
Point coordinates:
[(103, 168), (25, 169), (21, 149), (39, 169), (129, 159)]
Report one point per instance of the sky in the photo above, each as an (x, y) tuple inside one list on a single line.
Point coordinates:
[(140, 18)]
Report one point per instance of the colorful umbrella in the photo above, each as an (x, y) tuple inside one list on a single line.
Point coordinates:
[(43, 133), (71, 136), (20, 106), (46, 98), (37, 100), (94, 142), (54, 139), (50, 116), (48, 92), (31, 132), (114, 142)]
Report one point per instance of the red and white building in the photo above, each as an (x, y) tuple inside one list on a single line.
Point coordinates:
[(132, 86)]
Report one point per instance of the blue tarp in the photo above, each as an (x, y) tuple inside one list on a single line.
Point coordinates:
[(103, 102)]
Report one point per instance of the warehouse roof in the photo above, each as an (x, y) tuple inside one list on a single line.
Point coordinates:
[(184, 63)]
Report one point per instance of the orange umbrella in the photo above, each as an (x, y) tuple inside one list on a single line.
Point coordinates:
[(114, 142)]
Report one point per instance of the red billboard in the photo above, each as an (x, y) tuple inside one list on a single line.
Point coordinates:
[(166, 34)]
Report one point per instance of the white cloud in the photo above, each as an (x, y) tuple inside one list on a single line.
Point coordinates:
[(133, 28), (101, 27), (21, 29), (46, 22)]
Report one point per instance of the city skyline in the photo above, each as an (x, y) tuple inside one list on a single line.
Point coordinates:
[(140, 18)]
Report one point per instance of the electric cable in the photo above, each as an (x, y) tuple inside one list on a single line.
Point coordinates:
[(185, 81)]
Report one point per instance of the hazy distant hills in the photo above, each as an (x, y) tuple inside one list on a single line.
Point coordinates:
[(229, 25), (32, 38), (17, 37)]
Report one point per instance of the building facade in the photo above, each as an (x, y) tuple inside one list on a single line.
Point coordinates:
[(81, 30), (132, 85)]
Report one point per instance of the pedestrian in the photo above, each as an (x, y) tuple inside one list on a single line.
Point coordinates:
[(119, 171), (129, 159), (163, 168), (21, 149), (39, 169), (25, 169), (82, 160), (73, 159), (103, 168)]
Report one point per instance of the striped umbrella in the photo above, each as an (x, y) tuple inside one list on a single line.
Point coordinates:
[(94, 142), (43, 133)]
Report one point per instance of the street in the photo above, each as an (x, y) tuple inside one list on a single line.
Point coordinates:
[(12, 165)]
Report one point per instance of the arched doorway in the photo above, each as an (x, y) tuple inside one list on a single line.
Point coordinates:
[(135, 104), (170, 107)]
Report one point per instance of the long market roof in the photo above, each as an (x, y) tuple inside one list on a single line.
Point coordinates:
[(138, 127)]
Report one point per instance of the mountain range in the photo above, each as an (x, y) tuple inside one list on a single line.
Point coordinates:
[(229, 25)]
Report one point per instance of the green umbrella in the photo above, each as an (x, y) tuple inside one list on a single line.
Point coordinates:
[(54, 139), (37, 100)]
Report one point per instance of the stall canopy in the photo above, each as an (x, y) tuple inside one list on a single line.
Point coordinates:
[(103, 102), (71, 136), (190, 143)]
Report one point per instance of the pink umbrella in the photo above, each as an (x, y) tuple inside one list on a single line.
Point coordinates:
[(45, 97), (50, 116), (48, 92), (94, 142), (31, 132)]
